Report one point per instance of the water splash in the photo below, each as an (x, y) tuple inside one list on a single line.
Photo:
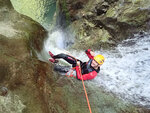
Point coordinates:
[(57, 42), (126, 70)]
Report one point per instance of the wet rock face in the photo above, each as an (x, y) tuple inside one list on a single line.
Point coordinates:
[(119, 18), (5, 3), (18, 36), (70, 8), (41, 11), (13, 25)]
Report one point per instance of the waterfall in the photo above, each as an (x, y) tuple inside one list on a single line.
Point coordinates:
[(57, 42), (126, 71)]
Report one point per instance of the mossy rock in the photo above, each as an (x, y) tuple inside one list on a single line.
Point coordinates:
[(136, 17), (121, 19)]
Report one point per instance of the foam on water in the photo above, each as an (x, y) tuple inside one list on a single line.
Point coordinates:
[(126, 71), (54, 43)]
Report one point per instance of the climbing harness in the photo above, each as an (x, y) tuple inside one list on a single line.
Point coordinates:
[(71, 72)]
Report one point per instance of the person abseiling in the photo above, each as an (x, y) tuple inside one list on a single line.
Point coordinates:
[(88, 70)]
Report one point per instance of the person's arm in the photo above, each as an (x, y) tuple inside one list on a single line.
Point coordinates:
[(90, 53), (88, 76)]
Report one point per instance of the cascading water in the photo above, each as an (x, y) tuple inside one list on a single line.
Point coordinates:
[(126, 71), (57, 41)]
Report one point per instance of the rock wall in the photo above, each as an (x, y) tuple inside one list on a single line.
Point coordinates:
[(104, 23), (18, 69)]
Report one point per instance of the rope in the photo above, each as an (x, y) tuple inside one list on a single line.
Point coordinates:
[(86, 94), (82, 83)]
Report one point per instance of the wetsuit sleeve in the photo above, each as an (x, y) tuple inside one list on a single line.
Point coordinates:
[(88, 76), (89, 54)]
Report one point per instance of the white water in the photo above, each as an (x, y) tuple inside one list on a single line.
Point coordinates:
[(126, 71), (56, 43)]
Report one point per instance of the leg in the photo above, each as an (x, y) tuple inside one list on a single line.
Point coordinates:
[(66, 57)]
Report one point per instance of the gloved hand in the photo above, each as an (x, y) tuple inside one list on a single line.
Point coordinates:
[(92, 53)]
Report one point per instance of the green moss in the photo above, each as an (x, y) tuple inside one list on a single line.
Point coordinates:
[(112, 12), (134, 17), (65, 12)]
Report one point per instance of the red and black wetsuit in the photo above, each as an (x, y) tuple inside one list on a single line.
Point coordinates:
[(87, 71)]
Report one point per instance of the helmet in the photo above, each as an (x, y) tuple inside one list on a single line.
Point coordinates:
[(99, 59)]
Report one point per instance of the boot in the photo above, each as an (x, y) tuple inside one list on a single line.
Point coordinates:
[(51, 54)]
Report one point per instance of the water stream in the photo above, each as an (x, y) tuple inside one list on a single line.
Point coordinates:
[(126, 71)]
